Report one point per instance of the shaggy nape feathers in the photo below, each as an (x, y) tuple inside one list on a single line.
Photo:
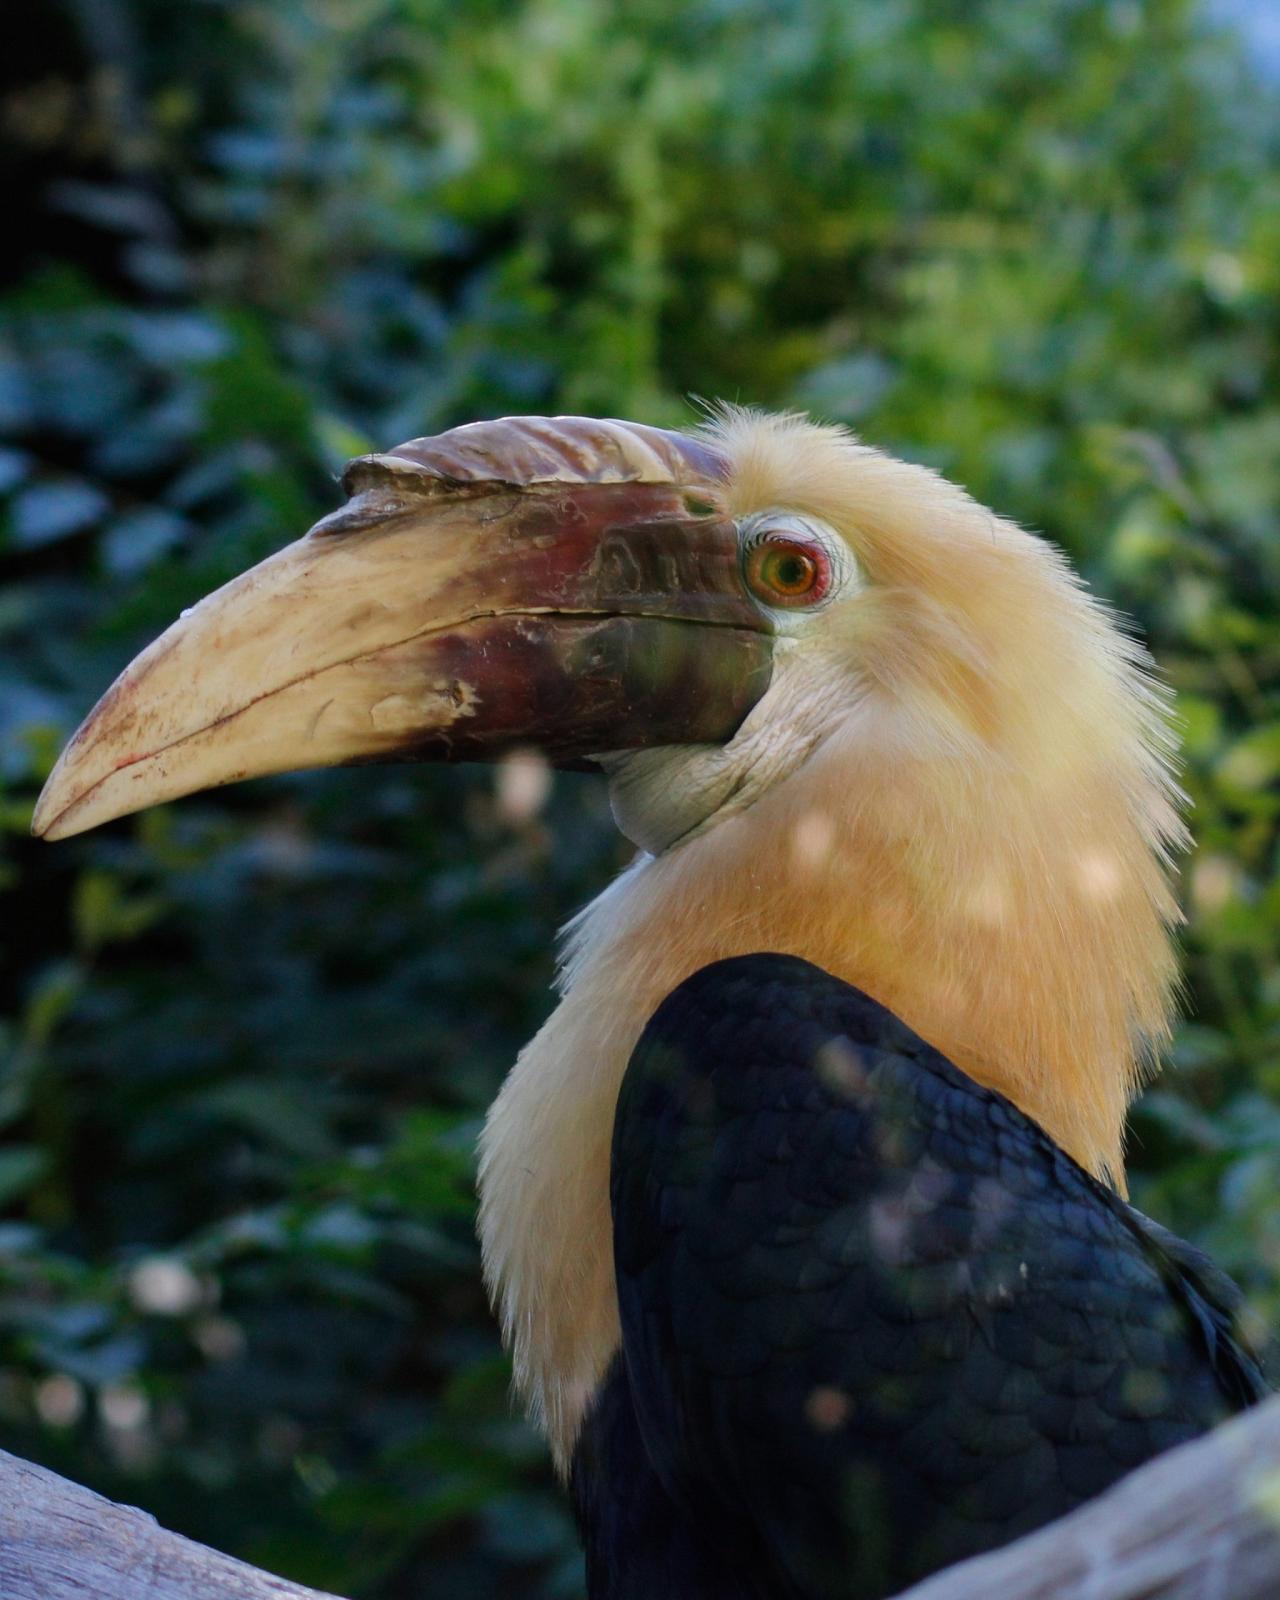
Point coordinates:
[(956, 795)]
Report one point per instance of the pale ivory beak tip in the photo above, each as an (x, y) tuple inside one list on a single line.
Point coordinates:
[(50, 818), (60, 810)]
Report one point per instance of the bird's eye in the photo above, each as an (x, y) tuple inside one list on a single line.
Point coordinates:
[(783, 570)]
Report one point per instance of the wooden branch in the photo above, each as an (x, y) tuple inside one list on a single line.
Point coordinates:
[(1201, 1523), (59, 1541)]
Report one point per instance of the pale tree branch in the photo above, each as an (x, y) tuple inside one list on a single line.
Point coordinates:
[(59, 1541), (1201, 1523)]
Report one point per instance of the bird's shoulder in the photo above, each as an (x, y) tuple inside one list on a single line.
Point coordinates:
[(834, 1087), (831, 1241)]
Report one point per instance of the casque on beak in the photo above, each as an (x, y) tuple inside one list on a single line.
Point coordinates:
[(562, 583)]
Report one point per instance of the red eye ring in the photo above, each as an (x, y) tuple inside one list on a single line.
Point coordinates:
[(787, 571)]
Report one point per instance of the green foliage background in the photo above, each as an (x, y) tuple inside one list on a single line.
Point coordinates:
[(247, 1040)]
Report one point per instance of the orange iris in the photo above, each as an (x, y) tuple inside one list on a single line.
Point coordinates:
[(787, 572)]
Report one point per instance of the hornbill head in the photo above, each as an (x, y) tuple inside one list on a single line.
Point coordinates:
[(847, 714)]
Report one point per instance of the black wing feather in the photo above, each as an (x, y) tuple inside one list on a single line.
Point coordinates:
[(874, 1320)]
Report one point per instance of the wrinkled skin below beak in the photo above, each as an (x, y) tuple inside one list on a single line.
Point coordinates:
[(427, 621)]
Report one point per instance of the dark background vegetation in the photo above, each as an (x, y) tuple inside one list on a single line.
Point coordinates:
[(247, 1040)]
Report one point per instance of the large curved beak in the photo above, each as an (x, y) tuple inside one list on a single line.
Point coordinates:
[(565, 584)]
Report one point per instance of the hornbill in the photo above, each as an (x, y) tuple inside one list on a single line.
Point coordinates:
[(803, 1212)]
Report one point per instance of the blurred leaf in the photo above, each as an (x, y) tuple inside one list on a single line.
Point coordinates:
[(102, 912), (134, 541), (46, 512), (14, 467), (1253, 761), (21, 1167)]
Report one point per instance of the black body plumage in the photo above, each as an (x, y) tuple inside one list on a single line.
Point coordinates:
[(874, 1320)]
